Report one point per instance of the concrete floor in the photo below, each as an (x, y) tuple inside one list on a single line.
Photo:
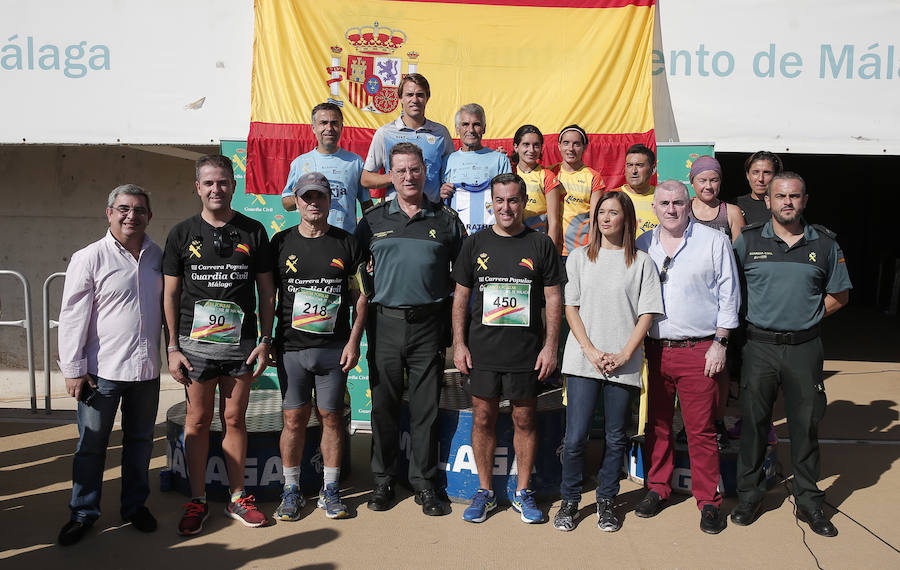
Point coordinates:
[(861, 445)]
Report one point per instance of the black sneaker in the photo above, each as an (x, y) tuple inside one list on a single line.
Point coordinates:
[(565, 517), (606, 517), (382, 497), (711, 520), (650, 506)]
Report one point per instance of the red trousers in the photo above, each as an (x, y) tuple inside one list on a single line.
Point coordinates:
[(680, 370)]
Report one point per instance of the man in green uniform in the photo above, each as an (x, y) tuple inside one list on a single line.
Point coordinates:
[(412, 242), (795, 275)]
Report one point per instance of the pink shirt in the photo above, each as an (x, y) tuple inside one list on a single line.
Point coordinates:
[(111, 315)]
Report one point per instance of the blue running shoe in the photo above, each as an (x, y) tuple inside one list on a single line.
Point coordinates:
[(482, 503), (524, 504), (330, 501), (291, 504)]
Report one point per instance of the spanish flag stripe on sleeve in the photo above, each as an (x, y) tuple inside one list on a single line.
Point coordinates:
[(353, 53)]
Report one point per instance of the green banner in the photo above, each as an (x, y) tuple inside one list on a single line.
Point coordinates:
[(674, 160)]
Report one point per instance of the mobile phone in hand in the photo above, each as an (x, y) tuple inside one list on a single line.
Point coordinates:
[(87, 394)]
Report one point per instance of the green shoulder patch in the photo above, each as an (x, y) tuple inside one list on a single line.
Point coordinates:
[(447, 209)]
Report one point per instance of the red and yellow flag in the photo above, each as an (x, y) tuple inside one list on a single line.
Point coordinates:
[(546, 62)]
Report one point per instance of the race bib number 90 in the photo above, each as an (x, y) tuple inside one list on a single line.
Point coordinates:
[(217, 321), (506, 305), (315, 311)]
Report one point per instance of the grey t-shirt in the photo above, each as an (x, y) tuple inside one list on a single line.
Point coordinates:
[(610, 298)]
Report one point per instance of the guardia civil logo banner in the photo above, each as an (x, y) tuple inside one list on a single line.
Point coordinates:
[(545, 62)]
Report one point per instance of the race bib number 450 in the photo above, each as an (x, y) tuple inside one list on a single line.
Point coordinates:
[(217, 321), (315, 311), (506, 305)]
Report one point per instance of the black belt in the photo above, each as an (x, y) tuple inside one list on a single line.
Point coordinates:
[(412, 314), (682, 343), (781, 337)]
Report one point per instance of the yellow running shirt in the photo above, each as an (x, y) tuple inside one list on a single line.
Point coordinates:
[(576, 215), (538, 182), (643, 209)]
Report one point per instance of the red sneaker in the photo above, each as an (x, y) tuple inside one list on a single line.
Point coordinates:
[(194, 516), (244, 510)]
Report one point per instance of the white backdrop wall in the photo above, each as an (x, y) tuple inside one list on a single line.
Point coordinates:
[(810, 76), (111, 71), (806, 76)]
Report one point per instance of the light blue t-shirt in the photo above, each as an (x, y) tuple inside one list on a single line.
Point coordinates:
[(343, 170), (471, 173), (433, 138)]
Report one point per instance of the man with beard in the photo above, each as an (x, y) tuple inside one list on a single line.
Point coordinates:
[(795, 275)]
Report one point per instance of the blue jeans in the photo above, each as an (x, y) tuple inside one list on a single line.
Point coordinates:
[(582, 394), (95, 421)]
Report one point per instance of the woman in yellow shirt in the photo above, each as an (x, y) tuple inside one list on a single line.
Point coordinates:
[(583, 185), (542, 212)]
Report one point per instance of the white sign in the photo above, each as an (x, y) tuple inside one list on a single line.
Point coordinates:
[(806, 76), (106, 71)]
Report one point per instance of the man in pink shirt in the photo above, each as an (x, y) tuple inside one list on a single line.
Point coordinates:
[(109, 332)]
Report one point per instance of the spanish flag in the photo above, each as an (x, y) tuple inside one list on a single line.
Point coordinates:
[(545, 62)]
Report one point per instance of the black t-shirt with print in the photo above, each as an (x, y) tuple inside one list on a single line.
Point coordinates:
[(507, 276), (217, 265), (312, 279)]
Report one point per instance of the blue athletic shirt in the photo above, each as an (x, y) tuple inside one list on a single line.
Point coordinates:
[(433, 138), (343, 170), (471, 173)]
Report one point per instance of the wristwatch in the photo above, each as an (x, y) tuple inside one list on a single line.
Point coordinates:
[(723, 340), (266, 340)]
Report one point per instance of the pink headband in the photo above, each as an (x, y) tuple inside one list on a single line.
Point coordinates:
[(705, 163)]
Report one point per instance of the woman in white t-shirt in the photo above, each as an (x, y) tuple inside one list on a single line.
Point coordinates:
[(612, 296)]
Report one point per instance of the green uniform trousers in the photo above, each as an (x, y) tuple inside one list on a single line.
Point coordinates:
[(414, 350), (797, 370)]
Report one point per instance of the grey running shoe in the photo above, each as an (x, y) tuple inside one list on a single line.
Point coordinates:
[(330, 502), (565, 517), (291, 504), (606, 517)]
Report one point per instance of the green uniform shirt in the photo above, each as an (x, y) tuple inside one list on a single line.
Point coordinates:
[(412, 255), (786, 286)]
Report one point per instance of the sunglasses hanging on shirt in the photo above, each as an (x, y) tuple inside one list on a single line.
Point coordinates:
[(664, 272), (224, 241)]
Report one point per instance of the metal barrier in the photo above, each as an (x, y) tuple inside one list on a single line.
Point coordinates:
[(48, 324), (25, 324)]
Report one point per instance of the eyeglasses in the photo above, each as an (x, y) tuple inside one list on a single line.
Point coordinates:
[(224, 244), (402, 172), (138, 210), (664, 273)]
